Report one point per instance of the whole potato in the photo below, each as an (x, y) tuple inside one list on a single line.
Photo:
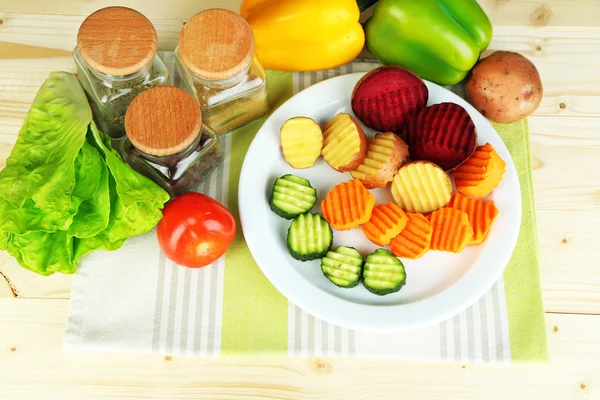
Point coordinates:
[(505, 87)]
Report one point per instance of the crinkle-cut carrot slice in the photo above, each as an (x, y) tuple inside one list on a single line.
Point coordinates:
[(413, 241), (481, 214), (387, 221), (481, 173), (451, 230), (348, 205)]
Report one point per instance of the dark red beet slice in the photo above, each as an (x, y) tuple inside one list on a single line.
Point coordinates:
[(443, 134), (385, 98)]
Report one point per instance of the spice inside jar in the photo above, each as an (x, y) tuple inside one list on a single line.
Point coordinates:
[(216, 62), (167, 140), (116, 58)]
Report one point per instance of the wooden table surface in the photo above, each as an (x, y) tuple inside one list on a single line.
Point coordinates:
[(562, 37)]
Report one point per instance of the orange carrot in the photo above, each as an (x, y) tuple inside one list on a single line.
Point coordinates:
[(481, 214), (387, 221), (479, 174), (451, 230), (348, 205), (414, 239)]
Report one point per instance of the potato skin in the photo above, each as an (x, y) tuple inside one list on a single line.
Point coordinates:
[(386, 174), (505, 87), (358, 157)]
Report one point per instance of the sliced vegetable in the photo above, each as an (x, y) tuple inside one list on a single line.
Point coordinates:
[(414, 239), (348, 205), (387, 221), (292, 196), (386, 153), (383, 273), (481, 173), (481, 214), (344, 143), (451, 230), (343, 266), (385, 98), (309, 237), (301, 142), (443, 133), (421, 186)]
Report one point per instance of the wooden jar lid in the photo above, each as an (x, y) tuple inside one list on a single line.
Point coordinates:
[(117, 41), (163, 120), (216, 44)]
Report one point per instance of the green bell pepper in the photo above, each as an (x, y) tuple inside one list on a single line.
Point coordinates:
[(440, 40)]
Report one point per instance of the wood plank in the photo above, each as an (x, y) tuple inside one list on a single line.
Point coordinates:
[(540, 13), (553, 52), (6, 291), (34, 365), (556, 13), (60, 31), (569, 255), (15, 50), (20, 79), (565, 153), (28, 284), (178, 9)]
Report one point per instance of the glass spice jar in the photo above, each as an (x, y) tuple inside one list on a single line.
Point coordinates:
[(167, 141), (116, 58), (216, 63)]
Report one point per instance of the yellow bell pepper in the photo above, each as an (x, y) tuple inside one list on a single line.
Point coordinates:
[(304, 35)]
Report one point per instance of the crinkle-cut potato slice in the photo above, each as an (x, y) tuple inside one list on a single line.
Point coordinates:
[(413, 241), (481, 214), (481, 173), (387, 221), (451, 230), (348, 205), (421, 186), (301, 142), (385, 155), (344, 143)]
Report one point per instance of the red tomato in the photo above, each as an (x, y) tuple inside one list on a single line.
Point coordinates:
[(195, 230)]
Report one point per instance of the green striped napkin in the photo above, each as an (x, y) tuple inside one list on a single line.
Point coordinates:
[(230, 308)]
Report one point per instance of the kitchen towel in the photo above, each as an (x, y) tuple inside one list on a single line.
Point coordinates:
[(135, 300)]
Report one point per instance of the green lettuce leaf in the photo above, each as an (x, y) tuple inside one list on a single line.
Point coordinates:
[(43, 252), (94, 209), (3, 239), (135, 206), (39, 176), (65, 192)]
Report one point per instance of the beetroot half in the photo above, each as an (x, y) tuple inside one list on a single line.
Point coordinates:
[(443, 134), (385, 98)]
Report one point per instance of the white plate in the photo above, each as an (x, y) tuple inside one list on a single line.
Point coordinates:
[(439, 284)]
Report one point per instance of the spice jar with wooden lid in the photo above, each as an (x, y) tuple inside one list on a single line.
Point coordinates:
[(167, 140), (216, 62), (117, 59)]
